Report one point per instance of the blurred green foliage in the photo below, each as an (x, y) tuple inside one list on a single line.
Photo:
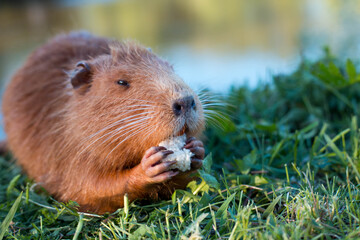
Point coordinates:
[(274, 119)]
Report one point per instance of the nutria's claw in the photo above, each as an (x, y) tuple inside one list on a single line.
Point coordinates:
[(199, 152), (196, 147), (153, 150), (165, 176), (155, 170), (153, 157), (159, 168), (190, 139), (196, 163), (193, 142)]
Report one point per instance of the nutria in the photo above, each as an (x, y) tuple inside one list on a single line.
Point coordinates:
[(84, 116)]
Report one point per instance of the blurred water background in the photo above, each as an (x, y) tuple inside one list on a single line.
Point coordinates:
[(212, 43)]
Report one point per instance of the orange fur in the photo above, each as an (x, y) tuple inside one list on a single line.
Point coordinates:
[(66, 139)]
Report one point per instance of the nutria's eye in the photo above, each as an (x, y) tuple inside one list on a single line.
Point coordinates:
[(123, 83)]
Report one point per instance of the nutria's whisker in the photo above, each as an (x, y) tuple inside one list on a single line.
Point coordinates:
[(131, 122), (149, 132), (206, 96), (112, 133), (118, 121), (215, 122), (156, 104), (213, 113), (116, 135), (127, 99), (140, 105), (208, 102), (224, 116), (129, 136), (206, 105), (209, 98), (124, 128), (131, 118), (213, 103), (202, 90), (139, 119), (209, 95), (213, 108), (133, 110), (214, 119), (207, 92)]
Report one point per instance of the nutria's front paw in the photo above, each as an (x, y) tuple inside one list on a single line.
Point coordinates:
[(154, 170), (197, 148)]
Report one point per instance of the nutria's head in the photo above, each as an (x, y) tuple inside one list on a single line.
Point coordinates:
[(129, 100)]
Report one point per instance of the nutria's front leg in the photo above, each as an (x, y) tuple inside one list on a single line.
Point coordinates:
[(106, 193), (157, 180)]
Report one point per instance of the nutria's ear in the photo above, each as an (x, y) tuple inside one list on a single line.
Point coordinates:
[(81, 75)]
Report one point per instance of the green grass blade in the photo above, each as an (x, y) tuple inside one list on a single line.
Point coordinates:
[(221, 212), (337, 137), (192, 226), (271, 207), (331, 144), (79, 227), (5, 224), (12, 184)]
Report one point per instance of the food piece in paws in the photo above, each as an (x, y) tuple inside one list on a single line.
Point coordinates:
[(181, 155)]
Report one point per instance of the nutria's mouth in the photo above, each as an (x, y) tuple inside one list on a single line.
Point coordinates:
[(184, 130)]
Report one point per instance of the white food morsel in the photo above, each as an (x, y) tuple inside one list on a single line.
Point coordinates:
[(182, 156)]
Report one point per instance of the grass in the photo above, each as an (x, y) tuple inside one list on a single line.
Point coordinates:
[(285, 165)]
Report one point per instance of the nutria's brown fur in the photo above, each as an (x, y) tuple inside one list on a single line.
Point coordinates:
[(88, 137)]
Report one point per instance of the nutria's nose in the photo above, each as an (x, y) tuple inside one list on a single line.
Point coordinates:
[(182, 105)]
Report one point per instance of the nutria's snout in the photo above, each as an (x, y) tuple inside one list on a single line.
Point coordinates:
[(183, 105), (188, 115)]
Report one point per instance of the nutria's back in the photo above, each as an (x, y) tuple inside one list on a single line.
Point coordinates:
[(34, 103)]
